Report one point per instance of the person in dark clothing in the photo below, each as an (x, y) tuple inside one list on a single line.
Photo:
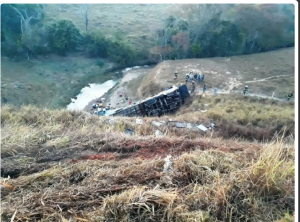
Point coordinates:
[(203, 77), (199, 77), (245, 90), (204, 88), (290, 95), (195, 76), (193, 86), (175, 75), (187, 78)]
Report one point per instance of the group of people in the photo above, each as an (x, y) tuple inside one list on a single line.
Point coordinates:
[(99, 108), (193, 77)]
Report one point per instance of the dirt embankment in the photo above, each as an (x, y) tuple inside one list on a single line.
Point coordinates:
[(269, 74), (264, 73)]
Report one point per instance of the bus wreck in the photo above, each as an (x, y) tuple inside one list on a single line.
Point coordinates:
[(164, 102)]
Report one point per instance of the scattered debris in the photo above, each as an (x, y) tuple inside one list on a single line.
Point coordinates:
[(158, 133), (191, 125), (155, 123), (203, 111), (160, 123), (180, 125), (202, 127), (168, 164), (139, 121), (129, 132)]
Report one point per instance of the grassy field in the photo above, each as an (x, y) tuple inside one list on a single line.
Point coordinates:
[(48, 81), (68, 166), (137, 21)]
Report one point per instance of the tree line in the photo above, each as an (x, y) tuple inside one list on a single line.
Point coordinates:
[(225, 30), (210, 30)]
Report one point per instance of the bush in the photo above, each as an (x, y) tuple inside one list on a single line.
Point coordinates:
[(96, 44), (100, 63), (64, 36), (122, 52)]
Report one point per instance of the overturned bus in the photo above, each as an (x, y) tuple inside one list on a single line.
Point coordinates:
[(164, 102)]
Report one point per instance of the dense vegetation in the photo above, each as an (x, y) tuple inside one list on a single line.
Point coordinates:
[(226, 30), (31, 36), (209, 31)]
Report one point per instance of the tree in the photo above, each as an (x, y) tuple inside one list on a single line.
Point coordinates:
[(84, 9), (19, 28), (181, 41), (64, 36)]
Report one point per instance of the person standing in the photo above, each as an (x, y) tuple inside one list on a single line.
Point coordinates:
[(199, 77), (193, 86), (203, 78), (245, 90), (191, 76), (215, 91), (187, 78), (195, 77), (290, 95), (175, 75), (204, 88)]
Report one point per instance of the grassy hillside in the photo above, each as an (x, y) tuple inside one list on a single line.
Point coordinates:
[(72, 166), (137, 21), (48, 81), (264, 73)]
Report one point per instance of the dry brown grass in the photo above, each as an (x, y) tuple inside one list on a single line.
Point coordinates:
[(203, 186), (70, 166)]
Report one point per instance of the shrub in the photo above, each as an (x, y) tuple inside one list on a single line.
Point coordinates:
[(100, 63), (64, 36)]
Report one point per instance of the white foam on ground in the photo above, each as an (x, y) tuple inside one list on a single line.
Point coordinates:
[(87, 94)]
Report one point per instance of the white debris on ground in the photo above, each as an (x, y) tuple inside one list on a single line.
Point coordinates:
[(180, 125), (168, 164), (139, 121), (202, 127), (158, 133), (160, 123)]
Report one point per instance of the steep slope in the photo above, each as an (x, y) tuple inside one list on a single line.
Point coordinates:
[(72, 166)]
